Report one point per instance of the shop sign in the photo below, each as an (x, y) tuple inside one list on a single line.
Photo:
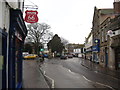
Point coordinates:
[(88, 50), (31, 16), (97, 41), (95, 48)]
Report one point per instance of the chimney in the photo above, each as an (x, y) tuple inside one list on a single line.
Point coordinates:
[(116, 5)]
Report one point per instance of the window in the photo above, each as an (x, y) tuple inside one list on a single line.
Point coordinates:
[(102, 36), (106, 38), (1, 60)]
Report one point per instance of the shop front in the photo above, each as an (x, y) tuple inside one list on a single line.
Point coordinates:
[(3, 57), (95, 52), (117, 58), (115, 45), (88, 53), (17, 34)]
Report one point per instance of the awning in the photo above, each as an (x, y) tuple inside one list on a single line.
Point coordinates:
[(17, 21)]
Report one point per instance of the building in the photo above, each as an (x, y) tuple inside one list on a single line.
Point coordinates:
[(114, 44), (74, 48), (70, 48), (12, 34), (100, 22), (88, 46), (115, 38), (109, 45), (95, 32), (114, 49), (78, 52), (104, 27), (103, 42)]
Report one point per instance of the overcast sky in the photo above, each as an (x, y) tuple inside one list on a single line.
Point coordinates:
[(70, 19)]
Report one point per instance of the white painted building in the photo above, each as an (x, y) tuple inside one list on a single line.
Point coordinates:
[(5, 14), (88, 46), (78, 51)]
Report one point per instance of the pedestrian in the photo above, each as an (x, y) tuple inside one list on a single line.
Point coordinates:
[(90, 58), (42, 57)]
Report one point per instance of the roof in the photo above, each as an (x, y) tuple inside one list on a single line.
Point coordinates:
[(106, 11)]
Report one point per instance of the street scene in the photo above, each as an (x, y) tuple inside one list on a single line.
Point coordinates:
[(60, 44)]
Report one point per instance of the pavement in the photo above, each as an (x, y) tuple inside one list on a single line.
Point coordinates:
[(32, 76), (96, 67)]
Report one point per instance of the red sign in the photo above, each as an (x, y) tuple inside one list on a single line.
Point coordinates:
[(31, 16)]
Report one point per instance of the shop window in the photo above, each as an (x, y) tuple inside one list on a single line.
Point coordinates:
[(0, 44), (18, 60), (1, 61)]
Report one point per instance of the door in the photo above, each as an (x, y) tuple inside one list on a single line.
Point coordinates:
[(117, 58), (106, 57)]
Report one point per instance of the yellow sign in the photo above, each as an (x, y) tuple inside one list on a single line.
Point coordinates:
[(1, 62)]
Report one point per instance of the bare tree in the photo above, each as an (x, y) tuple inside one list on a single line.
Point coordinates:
[(64, 41), (47, 36), (35, 33)]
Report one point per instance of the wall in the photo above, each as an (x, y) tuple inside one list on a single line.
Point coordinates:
[(111, 63), (4, 10), (89, 41)]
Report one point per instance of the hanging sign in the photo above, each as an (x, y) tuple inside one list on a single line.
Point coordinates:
[(31, 16)]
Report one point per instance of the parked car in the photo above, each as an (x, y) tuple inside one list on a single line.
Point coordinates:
[(45, 55), (63, 57), (75, 55), (30, 56), (25, 54), (58, 55), (70, 56)]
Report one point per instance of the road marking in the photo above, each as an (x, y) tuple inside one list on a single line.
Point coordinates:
[(53, 82), (99, 83), (105, 85), (44, 73), (87, 79), (99, 72), (71, 71)]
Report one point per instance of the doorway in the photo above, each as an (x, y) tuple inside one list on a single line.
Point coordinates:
[(106, 57), (117, 58)]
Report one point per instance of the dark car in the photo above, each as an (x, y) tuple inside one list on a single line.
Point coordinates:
[(63, 57), (70, 56)]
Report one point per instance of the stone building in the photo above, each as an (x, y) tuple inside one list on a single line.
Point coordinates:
[(106, 36), (100, 21), (114, 49), (115, 38), (104, 42), (109, 37)]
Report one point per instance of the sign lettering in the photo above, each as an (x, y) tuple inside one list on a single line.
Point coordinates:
[(31, 16)]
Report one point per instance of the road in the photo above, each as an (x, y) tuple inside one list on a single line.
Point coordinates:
[(71, 74)]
